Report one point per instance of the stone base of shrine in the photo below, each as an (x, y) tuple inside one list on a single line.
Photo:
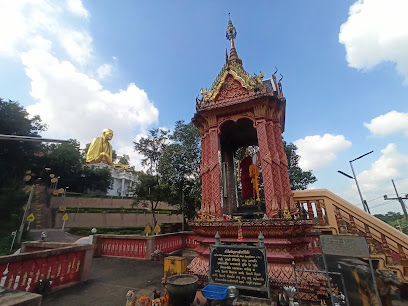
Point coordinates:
[(280, 275), (285, 241)]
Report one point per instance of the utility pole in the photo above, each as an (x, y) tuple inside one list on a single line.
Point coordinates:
[(354, 177), (400, 199)]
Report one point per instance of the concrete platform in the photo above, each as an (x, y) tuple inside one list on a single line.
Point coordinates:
[(10, 297), (110, 280)]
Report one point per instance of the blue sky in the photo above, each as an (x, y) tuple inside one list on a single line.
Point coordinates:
[(134, 65)]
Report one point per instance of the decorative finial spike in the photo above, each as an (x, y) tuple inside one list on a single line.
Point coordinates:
[(217, 239), (231, 34), (226, 55), (261, 240)]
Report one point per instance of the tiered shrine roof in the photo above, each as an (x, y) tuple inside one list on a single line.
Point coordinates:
[(251, 85)]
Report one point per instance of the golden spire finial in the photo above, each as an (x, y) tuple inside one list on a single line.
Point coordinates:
[(231, 34)]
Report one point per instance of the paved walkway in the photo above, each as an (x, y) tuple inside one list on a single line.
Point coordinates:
[(110, 280), (53, 235)]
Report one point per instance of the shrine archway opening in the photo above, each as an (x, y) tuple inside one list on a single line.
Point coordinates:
[(233, 135)]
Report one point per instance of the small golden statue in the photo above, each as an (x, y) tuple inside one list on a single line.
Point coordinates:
[(100, 150), (286, 214)]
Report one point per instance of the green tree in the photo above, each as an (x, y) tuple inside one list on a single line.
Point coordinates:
[(65, 161), (299, 179), (179, 167), (395, 219), (149, 186), (151, 147), (124, 159), (17, 156)]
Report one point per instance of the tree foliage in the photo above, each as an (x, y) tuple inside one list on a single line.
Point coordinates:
[(395, 219), (150, 186), (179, 167), (151, 147), (173, 161), (66, 162), (17, 156), (124, 159), (299, 179)]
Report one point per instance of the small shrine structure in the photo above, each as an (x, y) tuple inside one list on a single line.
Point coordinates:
[(240, 110)]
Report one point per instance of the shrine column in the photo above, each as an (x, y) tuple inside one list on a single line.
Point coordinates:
[(271, 202), (275, 164), (286, 196), (205, 162), (214, 171)]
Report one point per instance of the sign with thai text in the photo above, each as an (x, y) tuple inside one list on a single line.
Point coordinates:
[(240, 266), (342, 245)]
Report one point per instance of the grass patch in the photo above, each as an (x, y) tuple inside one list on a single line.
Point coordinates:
[(6, 239)]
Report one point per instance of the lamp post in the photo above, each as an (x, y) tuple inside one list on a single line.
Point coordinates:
[(365, 205), (79, 205)]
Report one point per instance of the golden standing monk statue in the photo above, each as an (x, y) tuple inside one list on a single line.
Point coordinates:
[(100, 150)]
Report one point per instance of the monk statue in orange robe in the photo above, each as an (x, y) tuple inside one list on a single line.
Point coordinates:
[(248, 176)]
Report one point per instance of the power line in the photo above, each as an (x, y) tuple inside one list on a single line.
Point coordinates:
[(380, 197), (381, 204)]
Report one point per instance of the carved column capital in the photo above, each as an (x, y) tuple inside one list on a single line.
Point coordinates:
[(212, 121)]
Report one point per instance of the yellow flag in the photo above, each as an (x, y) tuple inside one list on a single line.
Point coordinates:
[(147, 230), (31, 218), (157, 229)]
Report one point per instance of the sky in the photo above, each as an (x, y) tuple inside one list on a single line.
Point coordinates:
[(135, 65)]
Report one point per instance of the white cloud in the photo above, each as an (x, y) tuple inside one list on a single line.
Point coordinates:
[(318, 152), (391, 165), (11, 17), (78, 45), (377, 31), (392, 122), (28, 24), (76, 106), (55, 53), (104, 71), (76, 7)]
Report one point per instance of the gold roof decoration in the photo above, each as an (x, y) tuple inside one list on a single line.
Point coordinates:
[(233, 66)]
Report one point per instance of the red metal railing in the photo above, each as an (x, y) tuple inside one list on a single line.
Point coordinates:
[(120, 246), (23, 272)]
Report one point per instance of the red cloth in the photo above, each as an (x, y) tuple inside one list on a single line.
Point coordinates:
[(246, 184)]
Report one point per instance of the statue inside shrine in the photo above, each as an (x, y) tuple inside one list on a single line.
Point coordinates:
[(248, 176), (100, 150)]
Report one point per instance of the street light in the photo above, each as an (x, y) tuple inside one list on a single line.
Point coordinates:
[(79, 205), (365, 205)]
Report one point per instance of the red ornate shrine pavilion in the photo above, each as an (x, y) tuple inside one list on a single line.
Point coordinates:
[(240, 110)]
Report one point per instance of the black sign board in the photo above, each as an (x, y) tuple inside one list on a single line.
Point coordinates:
[(343, 245), (244, 267)]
